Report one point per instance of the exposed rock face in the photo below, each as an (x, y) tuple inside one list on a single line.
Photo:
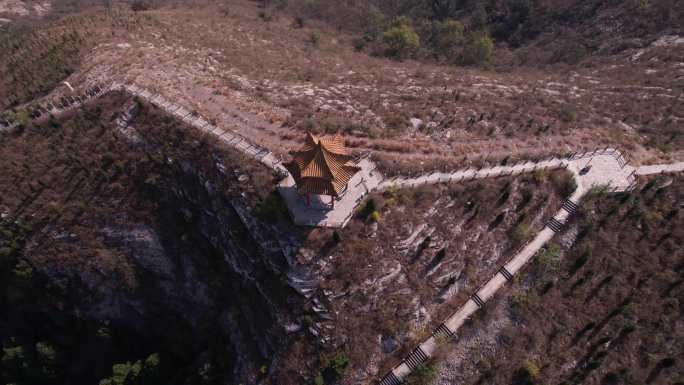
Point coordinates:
[(204, 262)]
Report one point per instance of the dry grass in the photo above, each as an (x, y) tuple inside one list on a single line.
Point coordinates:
[(71, 177), (608, 314), (230, 62), (467, 232)]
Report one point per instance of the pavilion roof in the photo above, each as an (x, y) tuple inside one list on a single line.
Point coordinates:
[(322, 165)]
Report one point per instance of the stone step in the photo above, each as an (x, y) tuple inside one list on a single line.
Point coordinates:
[(443, 331), (390, 379), (478, 301), (507, 274), (555, 225), (416, 358), (570, 206)]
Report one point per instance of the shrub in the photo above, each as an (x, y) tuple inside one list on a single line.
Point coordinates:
[(401, 40), (505, 194), (424, 375), (497, 221), (519, 300), (315, 38), (336, 237), (568, 113), (521, 232), (360, 44), (527, 373), (667, 362), (375, 216), (139, 372), (46, 352), (527, 195), (368, 208), (107, 160), (139, 5), (122, 373), (13, 354), (564, 184), (265, 16), (549, 258), (391, 196), (448, 37), (271, 207), (478, 49), (6, 252), (23, 271), (581, 261), (531, 368), (334, 366), (610, 378), (627, 330), (425, 243)]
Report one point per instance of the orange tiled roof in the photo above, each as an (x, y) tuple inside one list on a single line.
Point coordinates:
[(322, 166)]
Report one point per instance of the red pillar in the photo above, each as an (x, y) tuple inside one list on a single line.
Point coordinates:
[(308, 200), (332, 201)]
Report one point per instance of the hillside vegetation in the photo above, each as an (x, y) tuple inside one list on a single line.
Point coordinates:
[(461, 31), (102, 277), (608, 310), (37, 57)]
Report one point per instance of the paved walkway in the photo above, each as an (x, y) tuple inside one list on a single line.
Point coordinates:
[(470, 174), (57, 108), (609, 170), (604, 163), (660, 168), (230, 137)]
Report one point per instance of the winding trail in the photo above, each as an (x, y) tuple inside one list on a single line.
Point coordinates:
[(609, 171)]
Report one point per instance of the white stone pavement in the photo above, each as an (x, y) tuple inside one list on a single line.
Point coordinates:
[(470, 174), (604, 163), (319, 214), (660, 168)]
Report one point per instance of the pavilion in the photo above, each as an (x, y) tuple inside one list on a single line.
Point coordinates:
[(323, 166)]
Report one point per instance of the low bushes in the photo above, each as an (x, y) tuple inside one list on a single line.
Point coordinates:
[(424, 375), (139, 372), (478, 49), (400, 39), (333, 369)]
